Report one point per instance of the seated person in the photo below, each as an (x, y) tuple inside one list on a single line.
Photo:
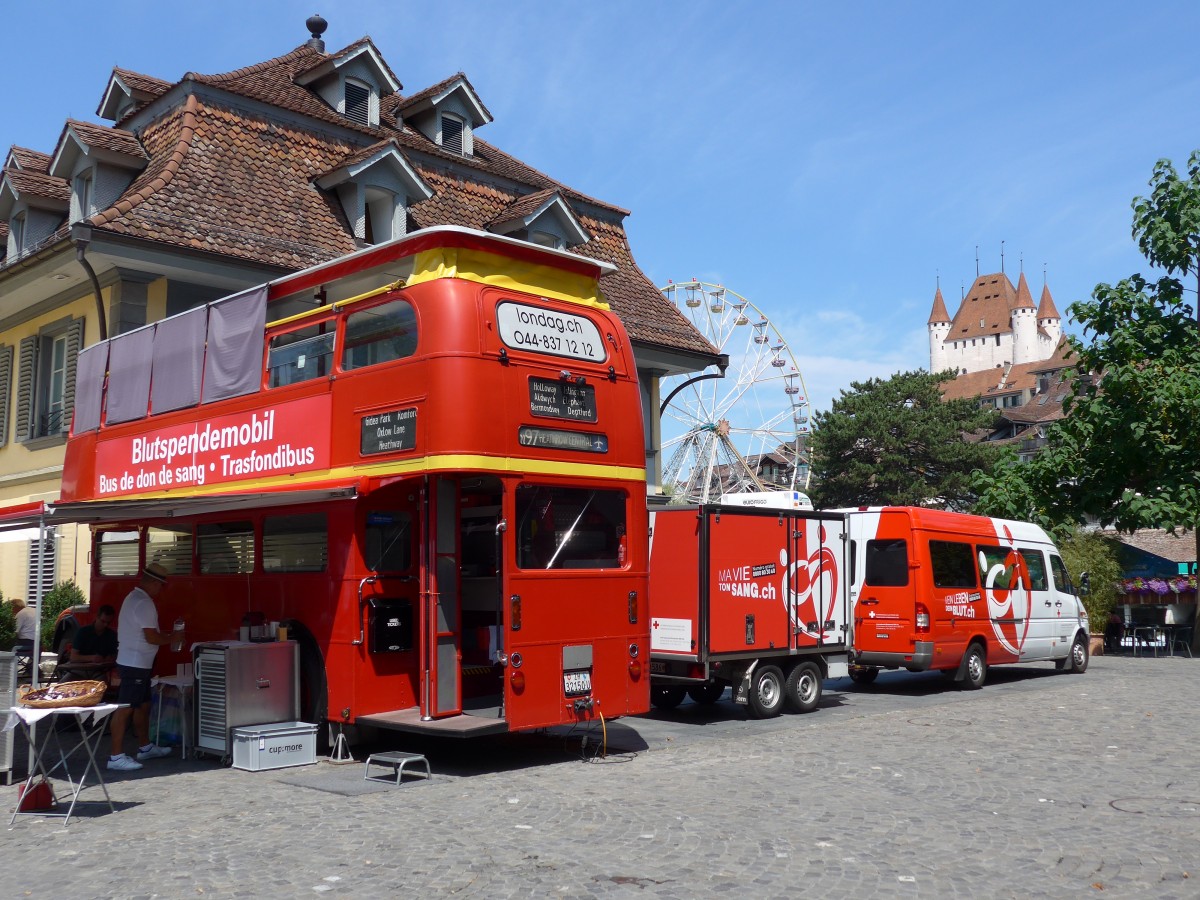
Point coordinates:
[(96, 644), (25, 619), (1114, 631)]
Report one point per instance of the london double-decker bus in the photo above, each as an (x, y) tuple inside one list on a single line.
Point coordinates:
[(425, 460)]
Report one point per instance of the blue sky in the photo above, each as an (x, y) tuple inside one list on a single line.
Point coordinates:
[(825, 161)]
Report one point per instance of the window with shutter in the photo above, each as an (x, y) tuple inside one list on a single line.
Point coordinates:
[(26, 367), (452, 134), (6, 358), (43, 562), (358, 103)]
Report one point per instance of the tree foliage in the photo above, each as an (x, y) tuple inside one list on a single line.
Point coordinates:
[(1091, 552), (62, 596), (1128, 450), (896, 442)]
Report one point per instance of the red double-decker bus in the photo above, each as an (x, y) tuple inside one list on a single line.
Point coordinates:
[(425, 460)]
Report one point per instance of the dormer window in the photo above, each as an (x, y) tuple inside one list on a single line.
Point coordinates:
[(375, 185), (385, 215), (452, 134), (546, 239), (81, 196), (358, 102)]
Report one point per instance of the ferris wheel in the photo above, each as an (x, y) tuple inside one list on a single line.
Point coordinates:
[(746, 431)]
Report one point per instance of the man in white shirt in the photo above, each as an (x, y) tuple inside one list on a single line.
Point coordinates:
[(139, 639)]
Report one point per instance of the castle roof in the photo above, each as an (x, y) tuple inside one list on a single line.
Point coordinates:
[(986, 310), (939, 312), (1046, 308)]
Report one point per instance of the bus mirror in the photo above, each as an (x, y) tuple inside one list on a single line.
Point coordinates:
[(1085, 584)]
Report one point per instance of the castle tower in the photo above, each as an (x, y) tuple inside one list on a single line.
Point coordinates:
[(1049, 321), (1024, 325), (939, 328)]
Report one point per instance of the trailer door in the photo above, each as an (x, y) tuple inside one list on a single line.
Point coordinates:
[(816, 589)]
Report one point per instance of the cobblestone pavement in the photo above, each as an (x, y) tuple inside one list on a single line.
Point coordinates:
[(1041, 784)]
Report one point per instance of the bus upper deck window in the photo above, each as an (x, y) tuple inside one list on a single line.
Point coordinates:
[(380, 334), (300, 355)]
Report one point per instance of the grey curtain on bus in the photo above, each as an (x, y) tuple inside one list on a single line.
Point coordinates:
[(178, 360), (233, 361), (90, 367), (129, 360)]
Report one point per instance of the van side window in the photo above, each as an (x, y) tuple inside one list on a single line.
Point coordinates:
[(1062, 581), (887, 563), (1035, 565), (997, 567), (853, 563), (953, 566)]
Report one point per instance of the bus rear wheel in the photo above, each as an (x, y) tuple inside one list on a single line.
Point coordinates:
[(802, 692), (766, 692)]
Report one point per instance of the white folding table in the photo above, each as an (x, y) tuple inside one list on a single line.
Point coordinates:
[(90, 721)]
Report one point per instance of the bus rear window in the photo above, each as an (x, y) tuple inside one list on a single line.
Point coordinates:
[(226, 548), (380, 334), (569, 528), (887, 563), (388, 545), (117, 552)]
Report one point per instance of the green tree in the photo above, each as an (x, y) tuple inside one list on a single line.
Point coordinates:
[(1091, 552), (1126, 451), (897, 442), (62, 596)]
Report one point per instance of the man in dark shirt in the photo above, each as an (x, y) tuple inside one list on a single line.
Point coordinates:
[(96, 643)]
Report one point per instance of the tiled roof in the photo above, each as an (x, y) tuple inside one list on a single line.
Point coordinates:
[(939, 312), (227, 181), (1046, 307), (38, 184), (524, 206), (147, 84), (1004, 380), (29, 160), (115, 139), (1179, 547), (986, 310)]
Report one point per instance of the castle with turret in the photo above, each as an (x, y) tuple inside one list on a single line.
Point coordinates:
[(996, 326)]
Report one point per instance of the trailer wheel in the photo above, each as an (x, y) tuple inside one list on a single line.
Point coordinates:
[(863, 674), (802, 692), (666, 697), (766, 692), (709, 692), (1079, 656), (974, 668)]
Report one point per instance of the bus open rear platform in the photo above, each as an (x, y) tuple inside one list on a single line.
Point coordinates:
[(409, 720)]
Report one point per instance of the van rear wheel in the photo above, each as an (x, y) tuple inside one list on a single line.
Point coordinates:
[(709, 692), (974, 668), (766, 692), (802, 692), (667, 697)]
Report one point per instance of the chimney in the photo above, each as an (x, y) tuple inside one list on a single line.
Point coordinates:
[(316, 27)]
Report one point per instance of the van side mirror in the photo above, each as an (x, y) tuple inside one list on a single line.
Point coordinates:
[(1085, 584)]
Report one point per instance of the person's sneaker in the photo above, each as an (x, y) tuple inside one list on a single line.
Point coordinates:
[(154, 752), (123, 763)]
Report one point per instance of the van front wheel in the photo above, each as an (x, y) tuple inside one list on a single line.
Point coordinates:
[(1079, 656), (974, 668)]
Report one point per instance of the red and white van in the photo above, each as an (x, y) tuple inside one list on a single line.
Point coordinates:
[(958, 593)]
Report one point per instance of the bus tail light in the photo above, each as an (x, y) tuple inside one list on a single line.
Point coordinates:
[(633, 608), (515, 602), (635, 669), (517, 678), (922, 618)]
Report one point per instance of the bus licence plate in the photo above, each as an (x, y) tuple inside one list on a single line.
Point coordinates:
[(577, 682)]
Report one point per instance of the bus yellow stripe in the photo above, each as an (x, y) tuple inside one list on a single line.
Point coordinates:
[(504, 272), (441, 463)]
